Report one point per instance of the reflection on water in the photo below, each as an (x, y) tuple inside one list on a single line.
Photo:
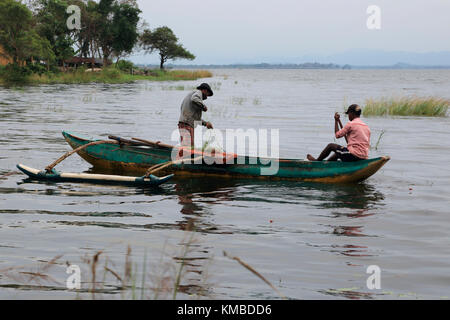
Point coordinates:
[(349, 293), (351, 201), (196, 200)]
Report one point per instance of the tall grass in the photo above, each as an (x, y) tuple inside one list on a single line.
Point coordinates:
[(113, 75), (256, 273), (102, 278), (379, 139), (407, 106)]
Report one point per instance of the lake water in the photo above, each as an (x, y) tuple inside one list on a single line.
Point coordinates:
[(311, 241)]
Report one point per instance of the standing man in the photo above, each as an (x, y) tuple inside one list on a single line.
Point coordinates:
[(191, 112)]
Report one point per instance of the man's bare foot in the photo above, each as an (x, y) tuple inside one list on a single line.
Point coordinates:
[(310, 158)]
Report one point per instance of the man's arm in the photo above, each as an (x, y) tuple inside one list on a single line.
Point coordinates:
[(339, 130), (340, 124), (207, 124), (337, 123), (197, 99)]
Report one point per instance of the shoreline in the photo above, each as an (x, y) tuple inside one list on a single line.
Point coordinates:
[(107, 76)]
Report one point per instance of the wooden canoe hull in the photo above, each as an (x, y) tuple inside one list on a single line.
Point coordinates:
[(136, 160)]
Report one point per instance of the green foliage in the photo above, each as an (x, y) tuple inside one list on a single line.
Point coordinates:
[(111, 73), (86, 38), (116, 25), (14, 74), (51, 18), (17, 34), (39, 41), (109, 29), (162, 75), (37, 68), (407, 106), (164, 41), (43, 48), (124, 28), (125, 65)]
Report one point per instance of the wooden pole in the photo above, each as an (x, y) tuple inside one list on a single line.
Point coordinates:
[(68, 154), (164, 165), (126, 141), (155, 144)]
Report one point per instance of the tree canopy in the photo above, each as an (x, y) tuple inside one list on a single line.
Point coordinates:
[(51, 17), (18, 36), (164, 41), (108, 29)]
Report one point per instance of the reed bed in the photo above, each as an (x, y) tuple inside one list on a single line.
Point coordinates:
[(113, 75), (407, 106)]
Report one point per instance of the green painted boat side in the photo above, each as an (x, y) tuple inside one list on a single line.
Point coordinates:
[(138, 159)]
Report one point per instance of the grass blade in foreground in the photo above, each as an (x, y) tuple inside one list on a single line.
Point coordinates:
[(256, 273)]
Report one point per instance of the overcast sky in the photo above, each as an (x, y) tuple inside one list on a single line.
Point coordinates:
[(252, 31)]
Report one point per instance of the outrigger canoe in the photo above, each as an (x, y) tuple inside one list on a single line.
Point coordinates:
[(139, 158)]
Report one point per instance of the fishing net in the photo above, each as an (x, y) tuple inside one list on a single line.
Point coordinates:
[(213, 141)]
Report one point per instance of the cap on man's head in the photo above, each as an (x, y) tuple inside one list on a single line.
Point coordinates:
[(206, 87), (355, 109)]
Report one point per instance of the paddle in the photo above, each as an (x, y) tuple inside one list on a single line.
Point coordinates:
[(126, 141), (141, 142), (341, 127)]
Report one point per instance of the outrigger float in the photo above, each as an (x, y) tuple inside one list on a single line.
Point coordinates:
[(56, 176), (137, 156)]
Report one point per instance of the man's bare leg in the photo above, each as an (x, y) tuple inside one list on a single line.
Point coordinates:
[(325, 153)]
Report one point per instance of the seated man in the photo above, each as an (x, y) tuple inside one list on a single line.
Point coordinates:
[(357, 134)]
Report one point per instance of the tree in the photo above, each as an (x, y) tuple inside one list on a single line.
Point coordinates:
[(164, 41), (17, 35), (126, 36), (86, 38), (105, 32), (51, 19), (118, 25)]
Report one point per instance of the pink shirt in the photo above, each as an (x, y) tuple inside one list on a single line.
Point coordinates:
[(358, 135)]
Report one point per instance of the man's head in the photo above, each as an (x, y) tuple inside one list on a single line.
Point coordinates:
[(206, 90), (354, 111)]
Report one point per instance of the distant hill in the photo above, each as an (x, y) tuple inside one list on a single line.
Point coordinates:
[(308, 65), (365, 57), (402, 65), (356, 58)]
